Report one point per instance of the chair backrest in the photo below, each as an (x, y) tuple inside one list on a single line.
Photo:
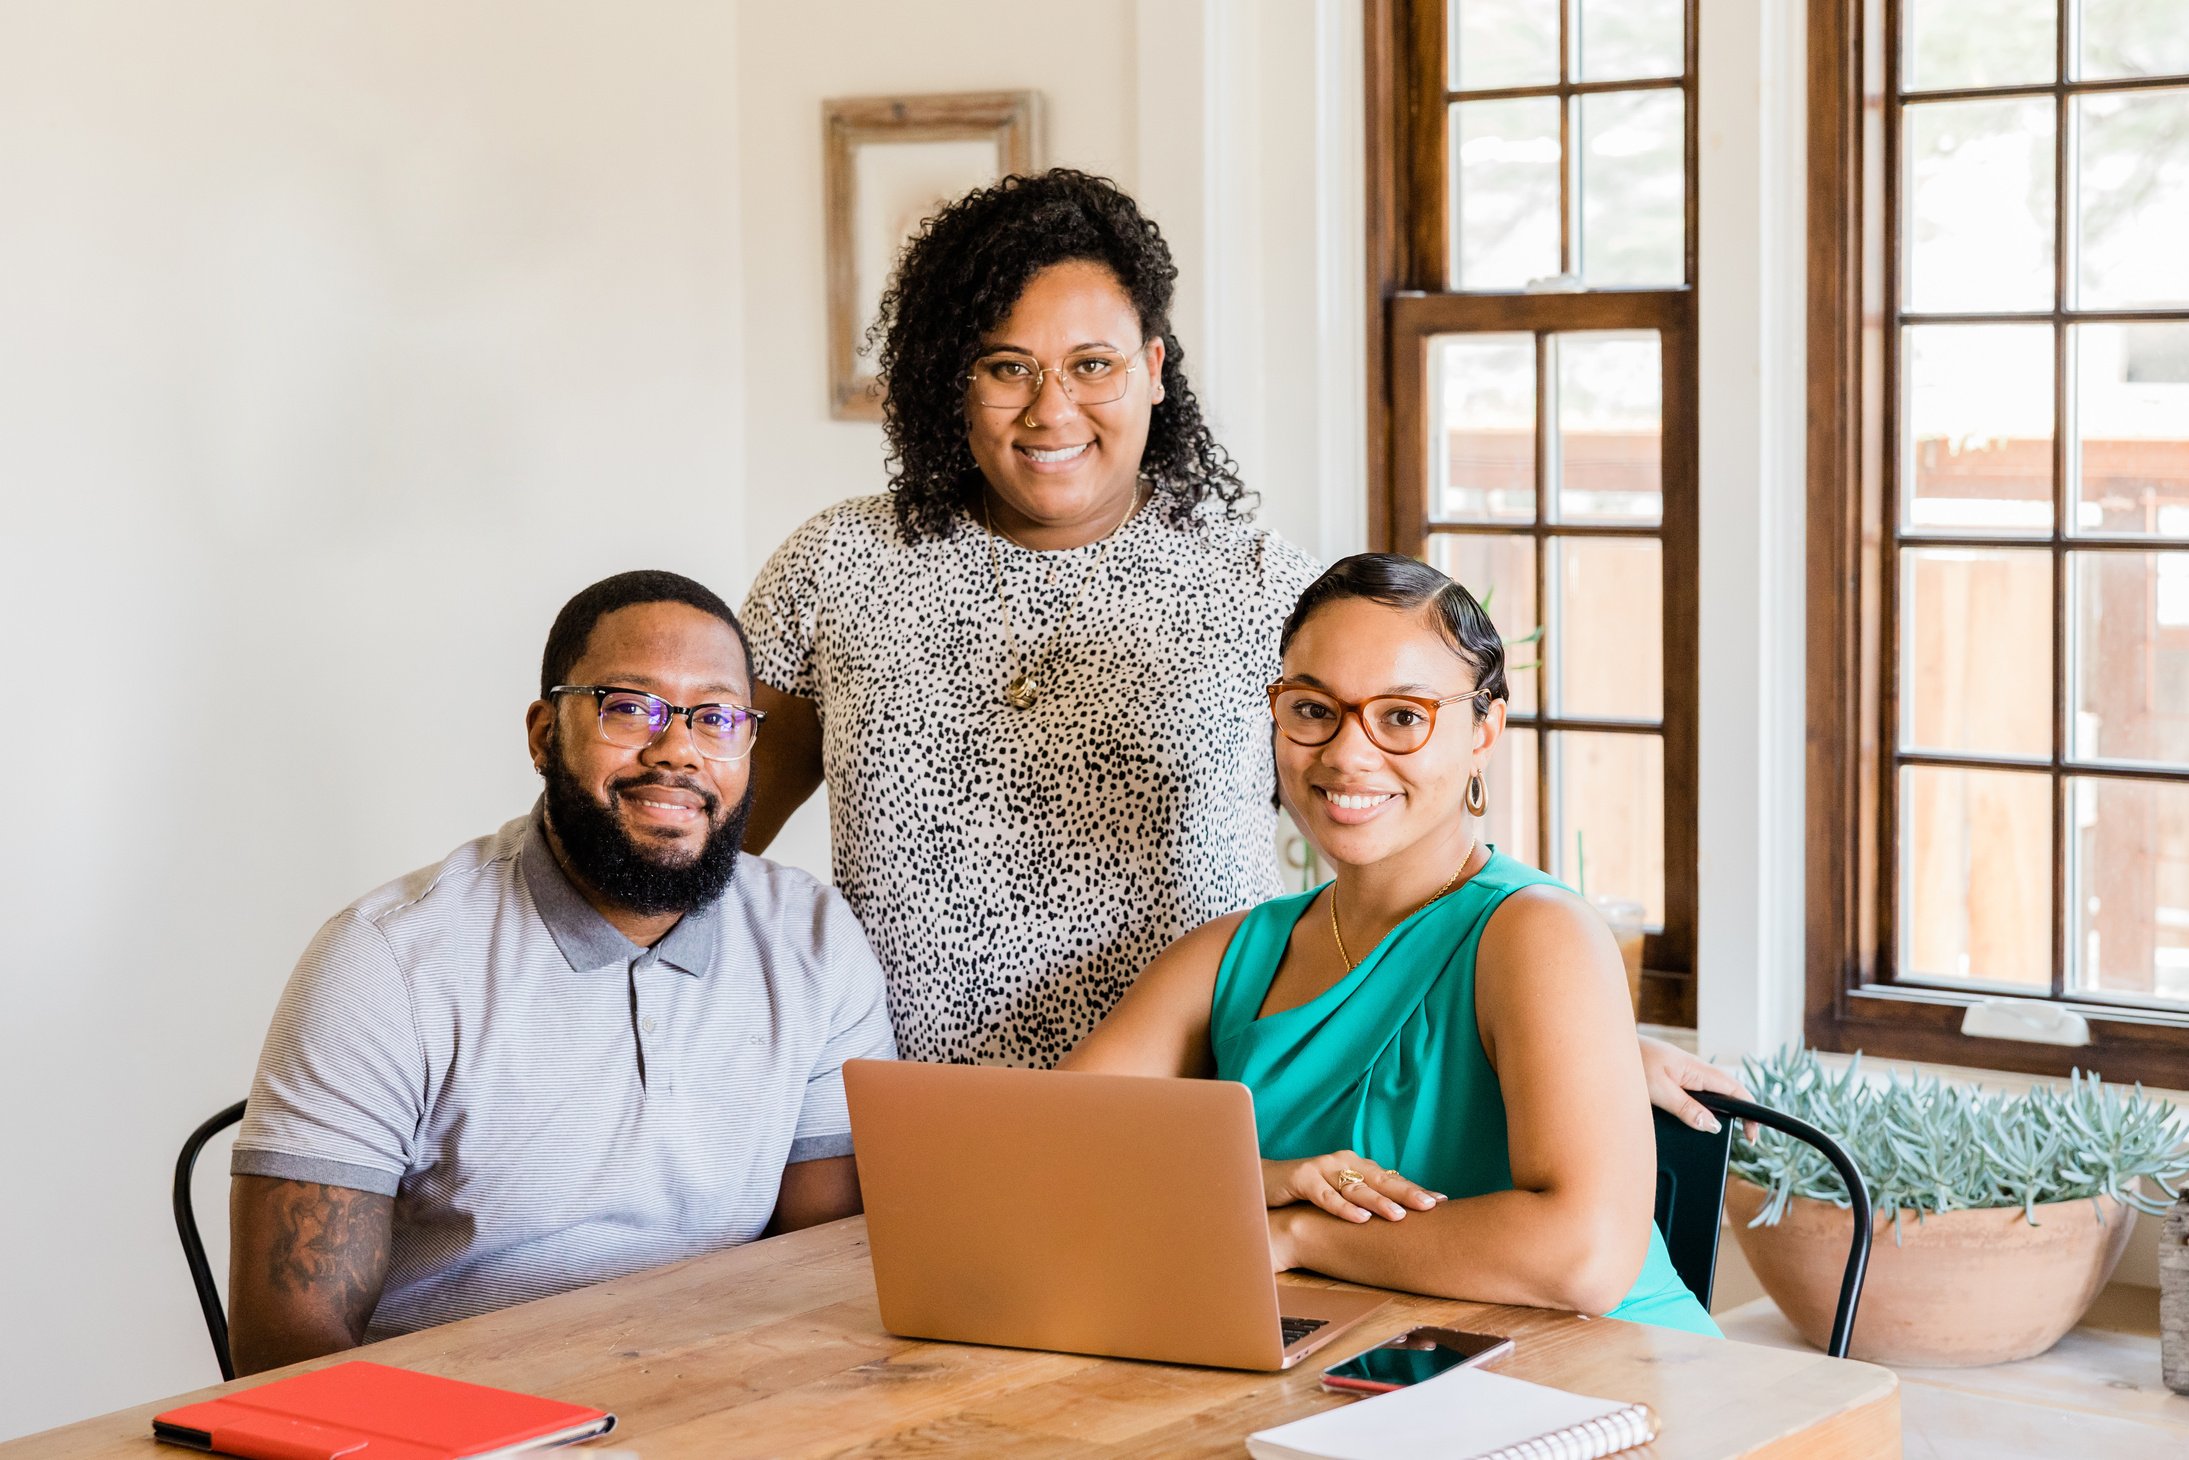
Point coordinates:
[(1691, 1196), (193, 1246)]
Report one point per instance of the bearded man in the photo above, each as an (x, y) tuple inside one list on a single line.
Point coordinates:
[(595, 1041)]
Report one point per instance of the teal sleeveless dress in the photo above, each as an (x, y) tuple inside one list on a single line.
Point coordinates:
[(1388, 1062)]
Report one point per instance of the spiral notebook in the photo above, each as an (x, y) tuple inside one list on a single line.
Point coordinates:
[(1466, 1414)]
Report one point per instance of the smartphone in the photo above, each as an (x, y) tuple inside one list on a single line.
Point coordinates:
[(1415, 1355)]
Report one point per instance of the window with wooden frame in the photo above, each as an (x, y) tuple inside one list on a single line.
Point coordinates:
[(1999, 530), (1532, 410)]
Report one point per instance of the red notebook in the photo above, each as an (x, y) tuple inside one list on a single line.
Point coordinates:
[(365, 1411)]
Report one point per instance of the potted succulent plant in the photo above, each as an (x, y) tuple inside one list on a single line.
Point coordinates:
[(1999, 1218)]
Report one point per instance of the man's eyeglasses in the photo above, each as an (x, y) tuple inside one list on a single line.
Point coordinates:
[(1394, 724), (1008, 380), (635, 719)]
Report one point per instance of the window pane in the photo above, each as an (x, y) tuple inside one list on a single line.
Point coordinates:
[(1976, 651), (1503, 43), (1482, 428), (1610, 464), (1504, 187), (1509, 780), (2132, 194), (2131, 887), (1610, 791), (1977, 428), (1606, 639), (1499, 570), (2133, 38), (1979, 181), (2131, 442), (1633, 189), (2131, 638), (1979, 43), (1976, 876), (1629, 40)]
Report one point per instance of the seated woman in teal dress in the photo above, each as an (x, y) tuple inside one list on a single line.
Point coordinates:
[(1438, 1010)]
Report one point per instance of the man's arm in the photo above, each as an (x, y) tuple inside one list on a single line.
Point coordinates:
[(305, 1266), (814, 1192)]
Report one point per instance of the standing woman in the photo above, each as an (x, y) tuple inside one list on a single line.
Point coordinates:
[(1031, 673)]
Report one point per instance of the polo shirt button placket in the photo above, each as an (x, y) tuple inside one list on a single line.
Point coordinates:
[(647, 975)]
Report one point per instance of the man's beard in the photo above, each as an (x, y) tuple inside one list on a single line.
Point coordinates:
[(624, 871)]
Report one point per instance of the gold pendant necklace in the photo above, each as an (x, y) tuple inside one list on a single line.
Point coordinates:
[(1449, 883), (1023, 688)]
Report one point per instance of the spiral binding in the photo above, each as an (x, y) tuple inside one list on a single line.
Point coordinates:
[(1590, 1440)]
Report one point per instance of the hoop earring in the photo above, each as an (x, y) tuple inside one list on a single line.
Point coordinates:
[(1478, 796)]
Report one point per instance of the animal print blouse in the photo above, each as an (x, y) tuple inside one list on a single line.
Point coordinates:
[(1015, 869)]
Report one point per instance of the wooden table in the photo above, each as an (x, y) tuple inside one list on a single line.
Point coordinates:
[(777, 1349)]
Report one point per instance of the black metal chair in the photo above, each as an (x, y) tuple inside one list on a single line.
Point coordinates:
[(1691, 1199), (193, 1246)]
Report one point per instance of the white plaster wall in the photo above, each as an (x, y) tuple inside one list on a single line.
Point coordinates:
[(339, 343)]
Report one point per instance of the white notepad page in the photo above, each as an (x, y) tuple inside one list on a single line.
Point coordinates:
[(1459, 1415)]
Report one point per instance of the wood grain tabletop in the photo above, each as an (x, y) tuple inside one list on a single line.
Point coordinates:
[(777, 1349)]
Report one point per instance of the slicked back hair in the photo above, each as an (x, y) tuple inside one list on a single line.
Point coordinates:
[(1408, 583), (574, 626)]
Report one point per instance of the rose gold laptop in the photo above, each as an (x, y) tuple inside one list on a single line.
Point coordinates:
[(1098, 1214)]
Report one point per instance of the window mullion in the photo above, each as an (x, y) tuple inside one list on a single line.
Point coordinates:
[(2063, 430)]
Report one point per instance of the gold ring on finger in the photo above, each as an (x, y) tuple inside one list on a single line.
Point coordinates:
[(1346, 1180)]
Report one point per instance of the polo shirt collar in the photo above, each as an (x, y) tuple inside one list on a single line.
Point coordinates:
[(586, 939)]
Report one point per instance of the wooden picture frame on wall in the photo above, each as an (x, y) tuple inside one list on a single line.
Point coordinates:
[(888, 162)]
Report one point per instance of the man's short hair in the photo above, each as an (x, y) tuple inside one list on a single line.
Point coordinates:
[(574, 626)]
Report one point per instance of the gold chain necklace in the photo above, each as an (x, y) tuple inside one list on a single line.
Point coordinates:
[(1022, 689), (1449, 883)]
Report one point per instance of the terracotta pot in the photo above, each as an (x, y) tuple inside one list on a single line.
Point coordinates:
[(1960, 1289)]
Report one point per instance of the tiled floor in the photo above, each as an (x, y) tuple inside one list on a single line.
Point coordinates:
[(2096, 1395)]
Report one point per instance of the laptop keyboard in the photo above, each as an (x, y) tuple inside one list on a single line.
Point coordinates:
[(1296, 1329)]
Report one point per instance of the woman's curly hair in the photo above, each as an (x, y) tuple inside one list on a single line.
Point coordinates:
[(958, 278)]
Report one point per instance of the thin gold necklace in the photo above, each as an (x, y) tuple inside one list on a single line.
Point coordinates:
[(1449, 883), (1022, 689)]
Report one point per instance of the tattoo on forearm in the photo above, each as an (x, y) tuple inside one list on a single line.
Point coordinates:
[(331, 1242)]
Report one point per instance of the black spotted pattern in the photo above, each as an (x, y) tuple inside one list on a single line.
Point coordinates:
[(1015, 869)]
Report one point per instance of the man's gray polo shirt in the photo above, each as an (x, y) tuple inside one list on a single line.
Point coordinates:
[(549, 1104)]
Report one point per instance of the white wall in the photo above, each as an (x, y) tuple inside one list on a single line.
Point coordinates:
[(338, 345)]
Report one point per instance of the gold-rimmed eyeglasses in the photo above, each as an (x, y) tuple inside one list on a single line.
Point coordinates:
[(1009, 380), (1394, 724)]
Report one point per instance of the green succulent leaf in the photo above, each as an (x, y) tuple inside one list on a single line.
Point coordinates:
[(1924, 1146)]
